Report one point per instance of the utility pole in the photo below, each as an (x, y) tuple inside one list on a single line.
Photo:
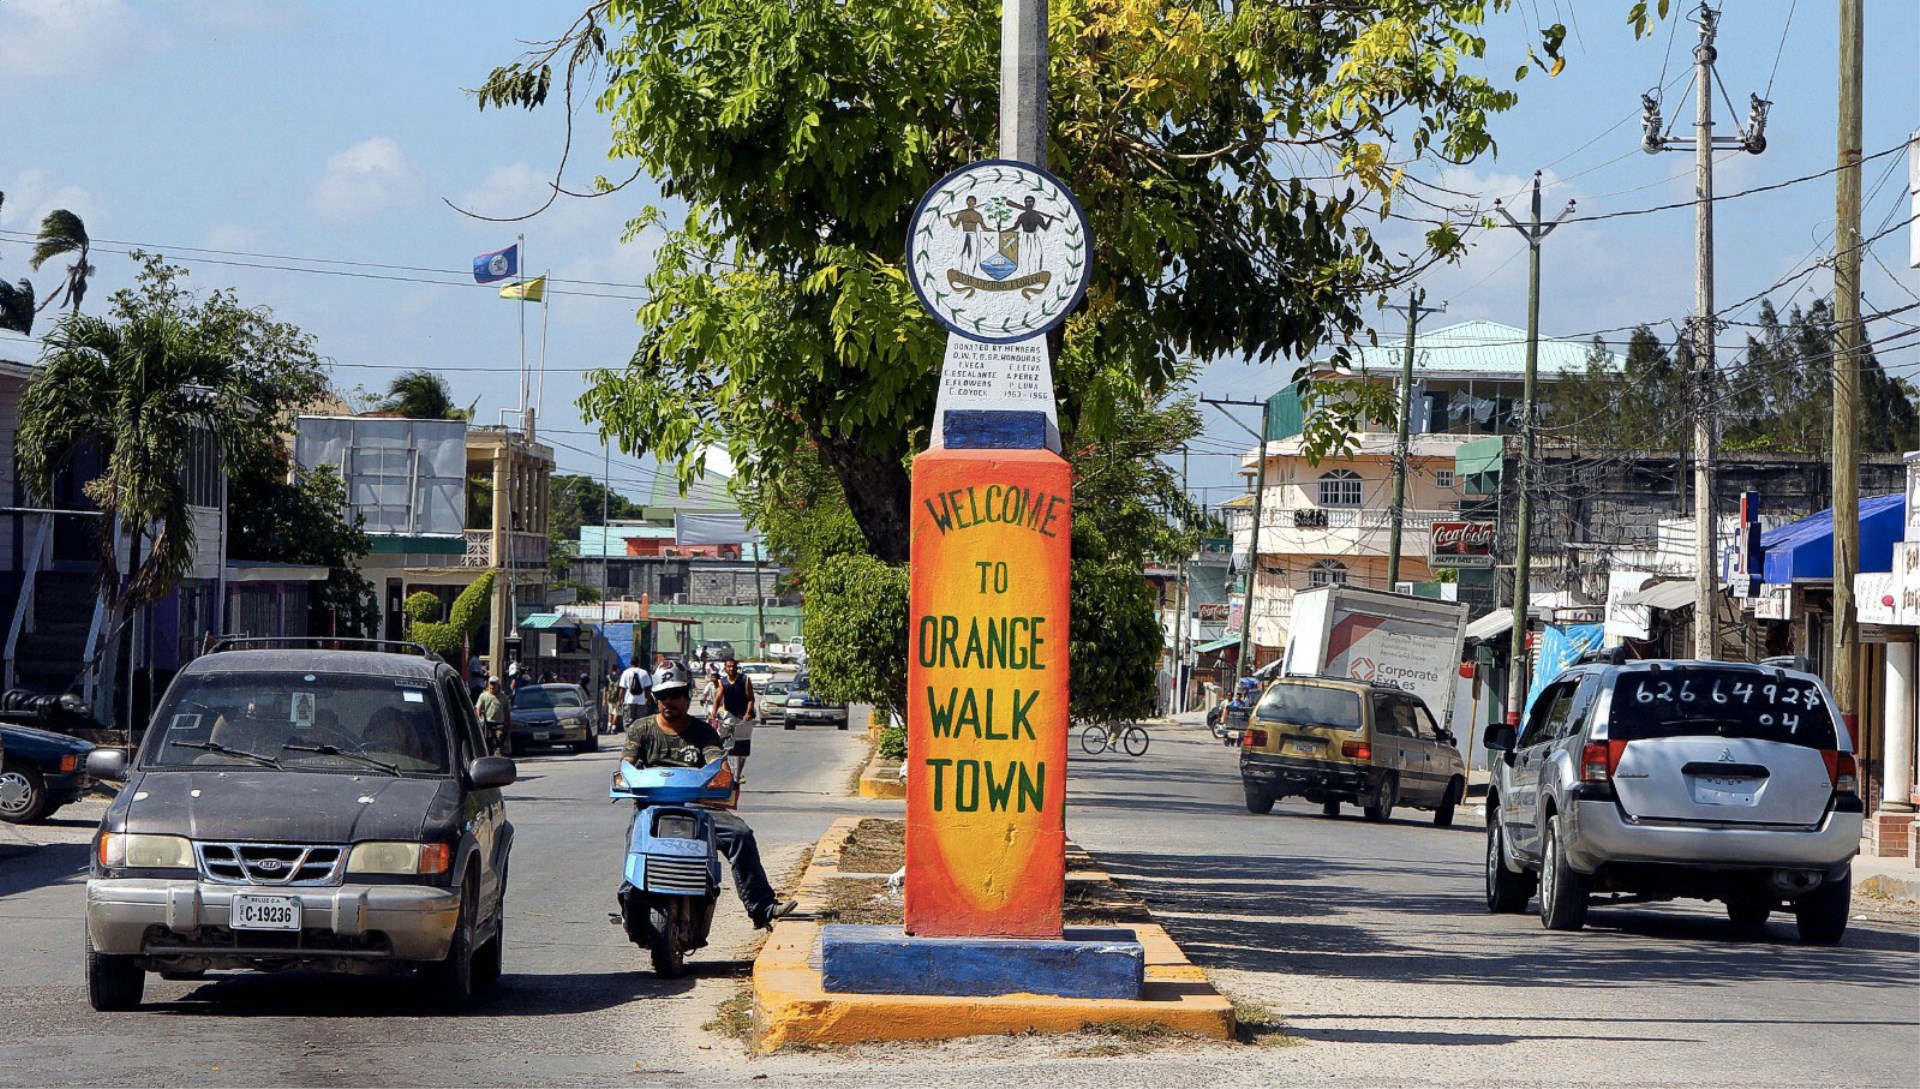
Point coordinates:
[(1180, 604), (1846, 364), (1023, 81), (1397, 515), (1253, 541), (1752, 139), (1535, 233)]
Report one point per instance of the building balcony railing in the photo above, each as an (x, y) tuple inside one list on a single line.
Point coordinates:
[(528, 549)]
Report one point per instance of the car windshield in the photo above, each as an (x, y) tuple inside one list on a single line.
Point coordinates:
[(1691, 702), (1310, 705), (547, 698), (298, 721), (775, 688)]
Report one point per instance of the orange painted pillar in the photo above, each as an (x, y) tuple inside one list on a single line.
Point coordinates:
[(987, 694)]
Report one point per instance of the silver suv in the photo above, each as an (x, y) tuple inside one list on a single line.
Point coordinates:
[(1653, 780)]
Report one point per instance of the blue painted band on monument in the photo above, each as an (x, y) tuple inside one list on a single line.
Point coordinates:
[(995, 429), (1090, 962)]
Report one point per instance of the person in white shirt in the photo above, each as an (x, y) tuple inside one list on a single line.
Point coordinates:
[(636, 695)]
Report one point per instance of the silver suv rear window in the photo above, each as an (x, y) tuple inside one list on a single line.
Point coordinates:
[(1720, 702), (1309, 705)]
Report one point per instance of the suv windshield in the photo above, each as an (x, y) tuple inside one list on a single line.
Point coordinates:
[(298, 721), (1720, 702), (547, 698), (1309, 705)]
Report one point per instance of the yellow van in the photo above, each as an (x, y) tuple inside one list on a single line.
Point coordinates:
[(1332, 741)]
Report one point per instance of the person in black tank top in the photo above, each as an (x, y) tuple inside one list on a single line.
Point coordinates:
[(734, 711)]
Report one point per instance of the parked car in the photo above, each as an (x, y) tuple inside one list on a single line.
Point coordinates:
[(1333, 741), (804, 709), (714, 650), (552, 714), (300, 807), (40, 771), (772, 699), (1663, 779)]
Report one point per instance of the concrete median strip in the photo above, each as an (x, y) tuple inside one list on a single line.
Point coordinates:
[(881, 779), (791, 1007)]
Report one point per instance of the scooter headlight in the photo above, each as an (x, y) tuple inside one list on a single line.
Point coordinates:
[(676, 826)]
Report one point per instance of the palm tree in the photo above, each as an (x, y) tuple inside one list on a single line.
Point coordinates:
[(423, 395), (16, 304), (63, 233), (136, 391)]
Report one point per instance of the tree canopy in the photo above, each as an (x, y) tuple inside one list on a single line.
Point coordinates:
[(422, 395), (1774, 396), (1235, 160)]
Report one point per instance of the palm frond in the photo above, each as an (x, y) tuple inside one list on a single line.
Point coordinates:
[(16, 307), (60, 233)]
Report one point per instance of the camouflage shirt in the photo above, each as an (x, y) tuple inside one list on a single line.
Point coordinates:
[(649, 745)]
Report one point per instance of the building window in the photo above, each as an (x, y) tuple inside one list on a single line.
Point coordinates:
[(1327, 573), (1340, 488), (1444, 478)]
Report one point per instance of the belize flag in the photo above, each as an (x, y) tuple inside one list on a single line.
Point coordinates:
[(497, 265)]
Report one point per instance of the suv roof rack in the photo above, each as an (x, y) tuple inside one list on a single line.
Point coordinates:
[(319, 642)]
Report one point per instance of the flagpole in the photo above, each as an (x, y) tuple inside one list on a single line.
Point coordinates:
[(540, 399), (522, 242)]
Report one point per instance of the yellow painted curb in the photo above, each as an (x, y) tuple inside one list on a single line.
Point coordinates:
[(790, 1007), (882, 779)]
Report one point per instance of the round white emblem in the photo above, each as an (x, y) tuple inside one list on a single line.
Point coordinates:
[(999, 251), (497, 265)]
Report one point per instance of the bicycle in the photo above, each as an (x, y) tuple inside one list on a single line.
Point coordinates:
[(1131, 738)]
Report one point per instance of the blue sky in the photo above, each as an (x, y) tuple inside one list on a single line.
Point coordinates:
[(312, 142)]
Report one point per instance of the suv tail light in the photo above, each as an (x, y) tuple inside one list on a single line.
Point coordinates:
[(1356, 750), (1598, 759), (1251, 738), (1842, 771)]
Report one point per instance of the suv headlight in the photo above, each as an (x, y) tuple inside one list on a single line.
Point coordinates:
[(139, 852), (407, 858)]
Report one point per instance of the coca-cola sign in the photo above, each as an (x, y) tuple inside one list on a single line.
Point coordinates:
[(1460, 544)]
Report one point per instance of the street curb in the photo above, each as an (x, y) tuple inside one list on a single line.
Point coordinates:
[(1890, 887), (790, 1007), (881, 779)]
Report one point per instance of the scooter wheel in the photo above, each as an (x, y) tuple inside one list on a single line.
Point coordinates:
[(669, 961)]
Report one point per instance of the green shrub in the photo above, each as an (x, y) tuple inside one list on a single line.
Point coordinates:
[(893, 743), (422, 606), (856, 631), (468, 613)]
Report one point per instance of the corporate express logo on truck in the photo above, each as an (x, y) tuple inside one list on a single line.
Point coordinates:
[(1408, 655)]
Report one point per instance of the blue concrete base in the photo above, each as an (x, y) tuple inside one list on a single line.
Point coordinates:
[(995, 429), (1088, 963)]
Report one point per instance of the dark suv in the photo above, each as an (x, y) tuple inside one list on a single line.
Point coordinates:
[(294, 805), (1653, 780)]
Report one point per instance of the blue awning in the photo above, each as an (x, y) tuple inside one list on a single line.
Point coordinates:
[(1803, 550)]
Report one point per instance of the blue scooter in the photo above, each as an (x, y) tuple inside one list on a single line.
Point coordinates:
[(673, 860)]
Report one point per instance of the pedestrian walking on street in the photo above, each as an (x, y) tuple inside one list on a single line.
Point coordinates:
[(495, 716), (734, 713), (636, 695)]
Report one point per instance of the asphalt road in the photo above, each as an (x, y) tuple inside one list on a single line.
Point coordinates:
[(1370, 941)]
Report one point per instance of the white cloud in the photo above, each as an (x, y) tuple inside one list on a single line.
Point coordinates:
[(364, 181), (233, 237), (34, 192), (63, 39)]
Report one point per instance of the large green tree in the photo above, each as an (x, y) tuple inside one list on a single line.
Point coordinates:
[(137, 386), (295, 516), (1234, 159), (63, 235)]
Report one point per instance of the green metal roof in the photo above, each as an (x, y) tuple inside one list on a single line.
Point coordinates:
[(1217, 644), (540, 621)]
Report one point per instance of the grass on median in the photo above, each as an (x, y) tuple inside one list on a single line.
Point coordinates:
[(1259, 1026)]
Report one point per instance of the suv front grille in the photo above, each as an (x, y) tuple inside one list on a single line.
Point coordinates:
[(270, 863)]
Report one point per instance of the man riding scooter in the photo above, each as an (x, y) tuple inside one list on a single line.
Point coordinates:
[(675, 738)]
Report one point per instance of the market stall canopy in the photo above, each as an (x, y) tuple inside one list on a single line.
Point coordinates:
[(1491, 626), (1217, 644), (1662, 595), (1803, 551)]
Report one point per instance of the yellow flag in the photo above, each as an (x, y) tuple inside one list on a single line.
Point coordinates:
[(529, 290)]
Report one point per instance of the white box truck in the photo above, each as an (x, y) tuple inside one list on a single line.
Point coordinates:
[(1408, 642)]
